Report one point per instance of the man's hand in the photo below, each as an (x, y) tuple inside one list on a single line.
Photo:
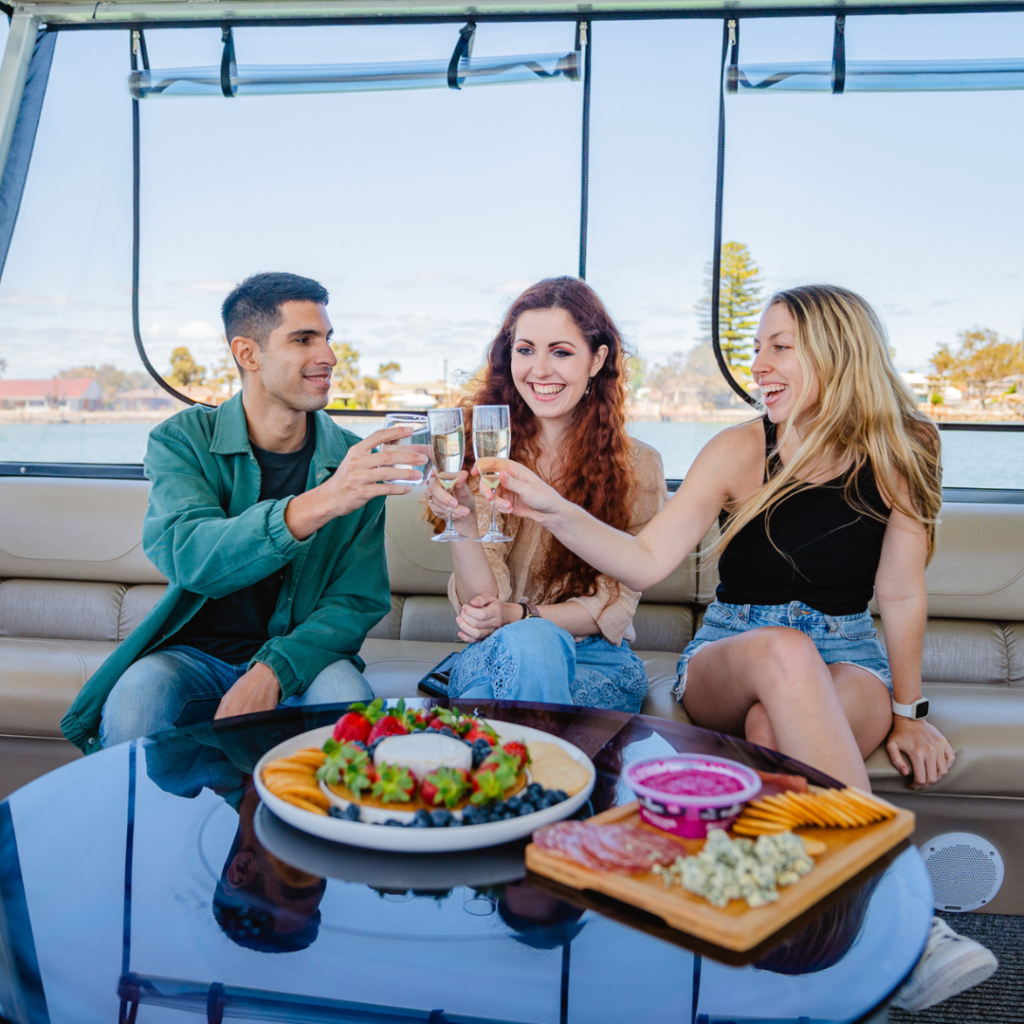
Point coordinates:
[(928, 751), (363, 475), (257, 690), (483, 615)]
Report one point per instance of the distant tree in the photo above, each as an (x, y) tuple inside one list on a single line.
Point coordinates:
[(981, 359), (184, 369), (690, 377), (636, 373), (109, 377), (740, 301), (387, 371), (226, 372), (3, 365), (346, 373)]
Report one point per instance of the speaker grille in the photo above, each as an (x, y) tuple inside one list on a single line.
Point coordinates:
[(966, 871)]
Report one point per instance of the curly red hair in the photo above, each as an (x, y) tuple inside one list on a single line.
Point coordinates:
[(597, 473)]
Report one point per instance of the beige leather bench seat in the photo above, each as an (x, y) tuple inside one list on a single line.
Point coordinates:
[(74, 582)]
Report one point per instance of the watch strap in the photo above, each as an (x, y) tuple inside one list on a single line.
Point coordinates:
[(529, 610), (915, 710)]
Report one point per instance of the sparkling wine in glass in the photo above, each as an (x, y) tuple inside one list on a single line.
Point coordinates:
[(419, 441), (492, 438), (448, 444)]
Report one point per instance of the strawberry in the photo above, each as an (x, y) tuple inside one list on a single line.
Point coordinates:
[(446, 786), (454, 719), (517, 750), (500, 759), (394, 784), (480, 731), (348, 765), (353, 725), (372, 711), (491, 782), (389, 725)]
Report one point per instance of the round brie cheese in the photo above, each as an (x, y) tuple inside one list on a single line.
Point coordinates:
[(423, 752)]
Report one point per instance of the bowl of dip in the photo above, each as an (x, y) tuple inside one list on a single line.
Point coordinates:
[(686, 794)]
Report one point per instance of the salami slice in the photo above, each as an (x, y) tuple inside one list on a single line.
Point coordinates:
[(628, 849)]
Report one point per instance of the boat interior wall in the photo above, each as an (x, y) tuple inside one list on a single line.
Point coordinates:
[(74, 582)]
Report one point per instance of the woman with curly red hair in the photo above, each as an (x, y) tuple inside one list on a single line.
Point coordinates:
[(542, 624)]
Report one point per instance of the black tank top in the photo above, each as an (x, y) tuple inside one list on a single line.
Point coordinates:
[(833, 549)]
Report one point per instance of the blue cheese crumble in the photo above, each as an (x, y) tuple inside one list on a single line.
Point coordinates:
[(732, 869)]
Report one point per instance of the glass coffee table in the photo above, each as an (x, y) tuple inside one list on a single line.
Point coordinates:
[(147, 883)]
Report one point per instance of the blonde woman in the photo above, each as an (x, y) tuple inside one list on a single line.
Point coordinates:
[(832, 495)]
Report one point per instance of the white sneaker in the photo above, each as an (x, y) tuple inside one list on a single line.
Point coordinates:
[(949, 965)]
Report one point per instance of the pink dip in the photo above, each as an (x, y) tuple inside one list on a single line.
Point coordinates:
[(694, 782)]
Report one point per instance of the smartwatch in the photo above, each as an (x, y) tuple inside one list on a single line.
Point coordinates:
[(529, 610), (916, 710)]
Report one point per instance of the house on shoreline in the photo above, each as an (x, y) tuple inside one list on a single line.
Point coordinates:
[(78, 394)]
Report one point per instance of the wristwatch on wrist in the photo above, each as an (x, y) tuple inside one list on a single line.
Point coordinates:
[(529, 610), (916, 710)]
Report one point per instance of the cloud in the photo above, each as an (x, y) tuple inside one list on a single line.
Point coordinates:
[(198, 330)]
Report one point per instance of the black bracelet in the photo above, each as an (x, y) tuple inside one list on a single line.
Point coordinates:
[(526, 611)]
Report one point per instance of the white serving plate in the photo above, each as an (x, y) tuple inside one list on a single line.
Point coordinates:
[(423, 840)]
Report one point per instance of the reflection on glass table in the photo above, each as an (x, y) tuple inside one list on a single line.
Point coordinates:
[(147, 882)]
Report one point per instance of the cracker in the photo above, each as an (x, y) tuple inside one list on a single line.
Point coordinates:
[(305, 805), (813, 847), (556, 773)]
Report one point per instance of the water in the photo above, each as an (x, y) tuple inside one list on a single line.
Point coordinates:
[(970, 458)]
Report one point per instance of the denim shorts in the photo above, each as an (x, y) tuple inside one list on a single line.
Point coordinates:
[(840, 639)]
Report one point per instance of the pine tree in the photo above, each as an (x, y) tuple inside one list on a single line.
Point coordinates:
[(740, 301)]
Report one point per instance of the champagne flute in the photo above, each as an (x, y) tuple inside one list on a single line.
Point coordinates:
[(448, 443), (419, 441), (492, 438)]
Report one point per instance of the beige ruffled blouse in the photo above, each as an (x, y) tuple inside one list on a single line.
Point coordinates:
[(512, 564)]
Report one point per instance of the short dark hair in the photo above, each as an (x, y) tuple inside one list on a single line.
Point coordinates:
[(253, 309)]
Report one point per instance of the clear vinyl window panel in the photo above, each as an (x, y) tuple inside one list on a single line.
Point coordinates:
[(910, 198)]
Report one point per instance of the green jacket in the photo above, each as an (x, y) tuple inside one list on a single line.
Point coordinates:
[(208, 533)]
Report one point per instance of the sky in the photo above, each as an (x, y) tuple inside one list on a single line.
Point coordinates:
[(425, 212)]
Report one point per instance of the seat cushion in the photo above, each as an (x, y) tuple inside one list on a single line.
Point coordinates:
[(394, 667), (40, 679), (985, 726), (65, 609)]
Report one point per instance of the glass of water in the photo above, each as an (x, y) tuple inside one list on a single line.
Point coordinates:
[(492, 438), (418, 441), (448, 447)]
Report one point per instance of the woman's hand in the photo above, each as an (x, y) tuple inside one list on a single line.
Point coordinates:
[(522, 493), (928, 751), (460, 500), (482, 616)]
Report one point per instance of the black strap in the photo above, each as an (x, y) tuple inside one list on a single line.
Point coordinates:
[(228, 67), (137, 38), (839, 56), (583, 36), (730, 36), (463, 48)]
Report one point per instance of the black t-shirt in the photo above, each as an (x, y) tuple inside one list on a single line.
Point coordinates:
[(234, 627)]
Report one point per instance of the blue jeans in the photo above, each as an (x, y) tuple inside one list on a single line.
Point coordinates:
[(181, 686), (535, 660), (839, 639)]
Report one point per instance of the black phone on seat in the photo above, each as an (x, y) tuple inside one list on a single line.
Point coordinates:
[(435, 682)]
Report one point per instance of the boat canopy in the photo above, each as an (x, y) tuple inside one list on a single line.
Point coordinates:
[(114, 12)]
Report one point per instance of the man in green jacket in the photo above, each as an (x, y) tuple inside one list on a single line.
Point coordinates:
[(268, 522)]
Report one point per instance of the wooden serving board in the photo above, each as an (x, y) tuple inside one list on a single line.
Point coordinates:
[(737, 926)]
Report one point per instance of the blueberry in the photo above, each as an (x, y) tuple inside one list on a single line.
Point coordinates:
[(455, 822), (358, 743), (479, 756), (471, 816), (481, 744), (497, 806), (558, 795), (525, 808), (546, 801), (422, 819), (505, 815), (534, 790), (441, 818), (512, 804), (446, 731), (336, 812), (351, 812), (391, 821)]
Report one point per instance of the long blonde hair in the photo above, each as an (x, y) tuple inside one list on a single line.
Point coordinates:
[(864, 414)]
